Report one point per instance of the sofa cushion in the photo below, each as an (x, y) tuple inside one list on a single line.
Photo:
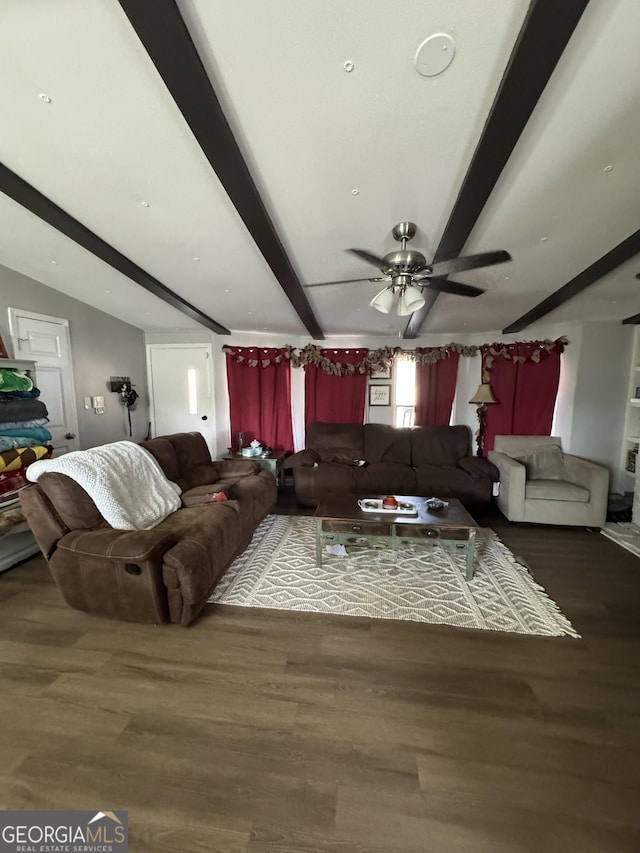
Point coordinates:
[(382, 478), (336, 442), (327, 477), (555, 490), (445, 481), (542, 463), (439, 445), (384, 443), (73, 505), (163, 452)]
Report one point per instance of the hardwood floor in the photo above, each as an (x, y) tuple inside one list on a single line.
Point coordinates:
[(275, 732)]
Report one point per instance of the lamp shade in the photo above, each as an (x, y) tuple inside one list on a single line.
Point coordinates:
[(383, 302), (410, 300), (484, 394)]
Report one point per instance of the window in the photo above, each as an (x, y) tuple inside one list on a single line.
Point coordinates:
[(405, 391)]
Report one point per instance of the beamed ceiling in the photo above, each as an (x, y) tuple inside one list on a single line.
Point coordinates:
[(199, 163)]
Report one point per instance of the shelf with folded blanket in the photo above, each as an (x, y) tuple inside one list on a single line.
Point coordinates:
[(24, 439)]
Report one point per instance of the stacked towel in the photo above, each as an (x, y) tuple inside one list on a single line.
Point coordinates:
[(22, 415)]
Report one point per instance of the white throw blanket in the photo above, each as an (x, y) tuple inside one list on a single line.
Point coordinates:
[(124, 480)]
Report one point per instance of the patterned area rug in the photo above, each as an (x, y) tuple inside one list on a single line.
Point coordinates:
[(623, 533), (424, 583)]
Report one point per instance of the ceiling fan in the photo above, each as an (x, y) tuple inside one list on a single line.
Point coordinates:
[(408, 273)]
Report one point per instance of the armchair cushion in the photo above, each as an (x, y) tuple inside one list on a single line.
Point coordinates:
[(555, 490), (542, 463)]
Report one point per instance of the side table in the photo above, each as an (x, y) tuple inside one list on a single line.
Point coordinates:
[(272, 463)]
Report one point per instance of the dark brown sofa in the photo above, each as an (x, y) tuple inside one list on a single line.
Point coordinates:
[(375, 459), (167, 573)]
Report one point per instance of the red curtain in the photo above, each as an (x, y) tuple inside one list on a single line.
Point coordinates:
[(260, 397), (435, 389), (335, 399), (525, 392)]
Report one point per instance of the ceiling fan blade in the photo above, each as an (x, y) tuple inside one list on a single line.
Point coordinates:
[(456, 287), (369, 257), (343, 281), (469, 262)]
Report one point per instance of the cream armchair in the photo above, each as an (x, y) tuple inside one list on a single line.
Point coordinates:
[(541, 484)]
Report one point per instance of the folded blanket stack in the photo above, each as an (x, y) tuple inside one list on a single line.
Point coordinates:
[(22, 415), (24, 437)]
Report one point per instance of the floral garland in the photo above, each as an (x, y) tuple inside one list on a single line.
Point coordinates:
[(431, 355), (513, 352), (314, 355), (240, 355), (382, 359)]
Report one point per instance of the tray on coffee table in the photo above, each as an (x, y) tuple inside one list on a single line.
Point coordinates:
[(375, 505)]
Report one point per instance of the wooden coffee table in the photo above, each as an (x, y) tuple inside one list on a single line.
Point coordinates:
[(340, 521)]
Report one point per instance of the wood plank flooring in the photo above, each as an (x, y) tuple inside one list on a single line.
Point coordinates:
[(259, 731)]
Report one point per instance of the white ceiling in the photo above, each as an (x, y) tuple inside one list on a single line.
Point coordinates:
[(311, 133)]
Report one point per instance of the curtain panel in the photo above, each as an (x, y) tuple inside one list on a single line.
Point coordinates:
[(435, 386), (259, 382), (524, 378), (335, 398)]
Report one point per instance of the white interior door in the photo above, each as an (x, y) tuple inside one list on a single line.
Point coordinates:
[(181, 389), (45, 340)]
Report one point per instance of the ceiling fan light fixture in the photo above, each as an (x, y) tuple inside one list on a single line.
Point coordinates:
[(410, 300), (383, 301)]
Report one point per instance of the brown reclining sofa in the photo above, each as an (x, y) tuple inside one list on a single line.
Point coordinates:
[(167, 573), (377, 459)]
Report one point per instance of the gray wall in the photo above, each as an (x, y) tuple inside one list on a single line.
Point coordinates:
[(601, 394), (101, 345)]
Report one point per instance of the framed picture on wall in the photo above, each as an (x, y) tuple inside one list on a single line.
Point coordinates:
[(379, 395), (3, 350), (381, 374)]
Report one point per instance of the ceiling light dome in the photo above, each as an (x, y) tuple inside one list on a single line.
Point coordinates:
[(383, 301), (410, 300)]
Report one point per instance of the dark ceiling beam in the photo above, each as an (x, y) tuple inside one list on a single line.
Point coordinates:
[(33, 200), (607, 263), (164, 35), (545, 33)]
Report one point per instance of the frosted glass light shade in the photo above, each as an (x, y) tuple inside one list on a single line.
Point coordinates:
[(383, 302), (410, 300)]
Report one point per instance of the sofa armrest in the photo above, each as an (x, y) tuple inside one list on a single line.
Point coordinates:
[(589, 475), (134, 546), (117, 574), (301, 459), (479, 467), (234, 468), (513, 476)]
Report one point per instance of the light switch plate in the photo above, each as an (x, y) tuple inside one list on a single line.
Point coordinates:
[(87, 403)]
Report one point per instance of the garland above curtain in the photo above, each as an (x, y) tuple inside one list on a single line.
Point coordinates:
[(519, 352), (241, 355), (431, 355), (381, 359)]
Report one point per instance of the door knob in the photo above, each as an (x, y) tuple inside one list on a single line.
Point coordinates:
[(204, 417), (70, 435)]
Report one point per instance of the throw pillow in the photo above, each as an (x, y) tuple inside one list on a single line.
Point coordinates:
[(542, 463)]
